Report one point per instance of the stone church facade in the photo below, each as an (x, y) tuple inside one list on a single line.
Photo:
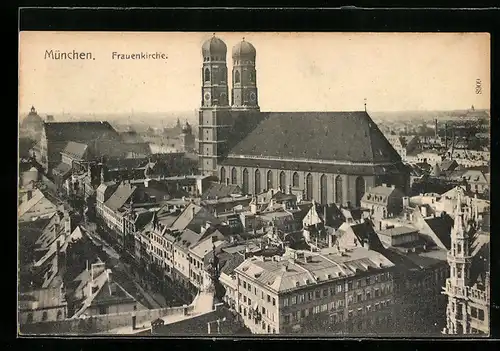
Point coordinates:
[(331, 157)]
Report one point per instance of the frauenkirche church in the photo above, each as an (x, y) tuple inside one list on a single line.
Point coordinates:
[(331, 157)]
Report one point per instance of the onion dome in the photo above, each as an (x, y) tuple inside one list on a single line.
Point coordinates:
[(244, 49), (32, 120), (214, 47)]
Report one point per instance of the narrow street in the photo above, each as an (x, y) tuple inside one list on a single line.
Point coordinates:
[(128, 277)]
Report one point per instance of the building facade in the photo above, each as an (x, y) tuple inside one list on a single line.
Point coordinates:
[(467, 287), (315, 293)]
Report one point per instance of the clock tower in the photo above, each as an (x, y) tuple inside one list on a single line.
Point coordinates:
[(244, 78), (215, 112)]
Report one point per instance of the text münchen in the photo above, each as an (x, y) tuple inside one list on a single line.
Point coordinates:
[(70, 55)]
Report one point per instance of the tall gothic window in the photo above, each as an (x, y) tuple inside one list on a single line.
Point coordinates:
[(237, 77), (234, 176), (309, 187), (324, 189), (222, 175), (245, 181), (270, 184), (295, 180), (257, 182), (360, 190), (282, 181), (207, 75), (338, 190)]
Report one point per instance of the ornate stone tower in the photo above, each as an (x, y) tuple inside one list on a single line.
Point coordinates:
[(459, 259), (244, 90), (215, 113)]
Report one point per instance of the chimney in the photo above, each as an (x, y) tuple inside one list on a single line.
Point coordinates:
[(284, 268), (423, 210), (384, 185), (192, 212), (146, 183), (330, 240), (406, 201), (366, 244), (393, 186)]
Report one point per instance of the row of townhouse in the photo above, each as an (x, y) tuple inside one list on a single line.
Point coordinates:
[(176, 247)]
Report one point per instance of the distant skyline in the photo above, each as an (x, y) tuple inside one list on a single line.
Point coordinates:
[(295, 71)]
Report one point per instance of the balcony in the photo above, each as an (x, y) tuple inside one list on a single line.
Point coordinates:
[(468, 292)]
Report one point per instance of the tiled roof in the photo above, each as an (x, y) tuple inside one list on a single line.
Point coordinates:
[(340, 136), (218, 191), (230, 264), (381, 190), (111, 293), (398, 231), (120, 196), (131, 137), (365, 232), (62, 169), (193, 217), (74, 149), (79, 131), (321, 268), (187, 239), (481, 256), (448, 165), (441, 226)]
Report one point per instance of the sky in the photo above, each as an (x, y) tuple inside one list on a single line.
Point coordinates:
[(295, 71)]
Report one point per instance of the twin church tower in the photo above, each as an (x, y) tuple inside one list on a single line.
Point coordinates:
[(217, 112), (244, 78)]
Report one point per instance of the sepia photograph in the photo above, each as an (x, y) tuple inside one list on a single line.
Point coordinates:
[(264, 184)]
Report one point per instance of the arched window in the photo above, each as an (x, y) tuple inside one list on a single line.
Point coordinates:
[(245, 181), (323, 190), (234, 176), (338, 190), (44, 316), (282, 181), (59, 314), (309, 187), (257, 182), (360, 189), (207, 75), (222, 175), (270, 183), (251, 76), (29, 319), (295, 180), (237, 76)]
